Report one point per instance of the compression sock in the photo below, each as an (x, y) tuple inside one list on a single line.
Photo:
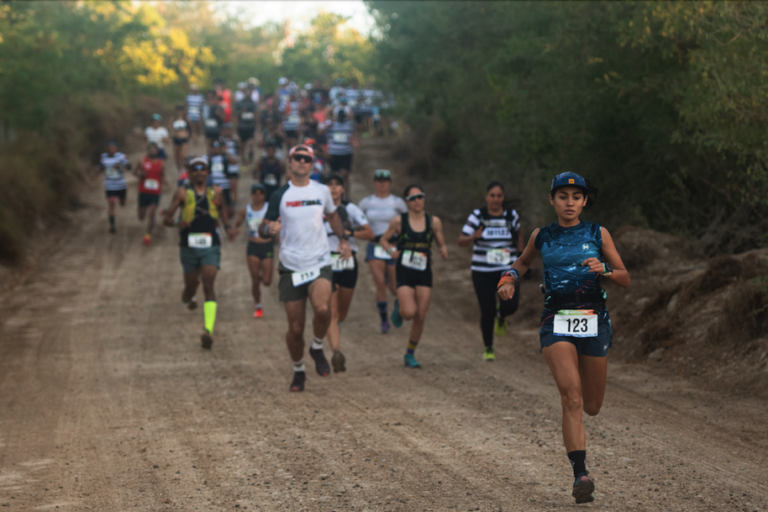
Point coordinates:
[(111, 221), (258, 306), (299, 366), (411, 347), (317, 344), (382, 310), (209, 309), (578, 462)]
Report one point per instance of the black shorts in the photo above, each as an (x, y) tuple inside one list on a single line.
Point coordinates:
[(148, 199), (359, 116), (413, 278), (213, 135), (291, 134), (263, 251), (226, 196), (339, 162), (120, 194), (180, 141), (346, 278), (246, 134)]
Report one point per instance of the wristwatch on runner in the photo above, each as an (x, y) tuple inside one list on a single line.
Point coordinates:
[(607, 269)]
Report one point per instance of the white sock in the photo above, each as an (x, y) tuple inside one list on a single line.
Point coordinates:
[(316, 343), (299, 366), (258, 306)]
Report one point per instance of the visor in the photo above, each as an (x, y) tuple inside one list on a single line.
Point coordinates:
[(302, 148)]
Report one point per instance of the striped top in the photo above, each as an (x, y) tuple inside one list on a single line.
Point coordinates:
[(195, 106), (114, 167), (218, 171), (497, 249), (339, 138)]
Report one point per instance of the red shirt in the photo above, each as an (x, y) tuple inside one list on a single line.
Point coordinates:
[(152, 181), (226, 102)]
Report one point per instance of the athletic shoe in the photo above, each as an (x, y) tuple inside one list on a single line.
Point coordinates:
[(489, 354), (192, 304), (206, 340), (411, 362), (385, 327), (147, 239), (397, 320), (298, 381), (321, 363), (259, 313), (583, 489), (500, 326), (338, 361)]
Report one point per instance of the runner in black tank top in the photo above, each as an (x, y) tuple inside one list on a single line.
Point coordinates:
[(269, 171), (415, 232)]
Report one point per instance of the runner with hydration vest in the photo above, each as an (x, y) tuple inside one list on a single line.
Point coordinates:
[(151, 180), (415, 230), (344, 271), (494, 231), (200, 242), (576, 332)]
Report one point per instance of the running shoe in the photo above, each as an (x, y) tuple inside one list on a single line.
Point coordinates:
[(338, 361), (411, 362), (206, 340), (192, 304), (298, 381), (500, 326), (583, 489), (397, 320), (385, 326), (259, 313), (321, 363), (489, 354), (147, 239)]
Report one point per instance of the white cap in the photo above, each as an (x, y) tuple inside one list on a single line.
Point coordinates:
[(308, 86), (241, 85), (282, 81)]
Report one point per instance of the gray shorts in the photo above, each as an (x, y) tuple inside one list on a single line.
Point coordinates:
[(290, 293), (195, 259)]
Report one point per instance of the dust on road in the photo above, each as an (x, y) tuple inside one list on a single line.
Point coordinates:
[(107, 401)]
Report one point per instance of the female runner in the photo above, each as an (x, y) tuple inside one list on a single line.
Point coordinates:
[(494, 230), (381, 208), (182, 130), (415, 229), (575, 328), (344, 271)]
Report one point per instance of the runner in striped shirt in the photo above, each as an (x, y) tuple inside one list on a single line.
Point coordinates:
[(195, 102), (496, 236)]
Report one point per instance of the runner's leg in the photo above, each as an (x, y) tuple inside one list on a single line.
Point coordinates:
[(266, 272), (563, 362), (151, 210), (254, 267), (486, 298), (423, 297), (320, 291), (593, 372), (391, 279), (334, 331), (408, 306), (142, 212), (209, 307), (294, 338)]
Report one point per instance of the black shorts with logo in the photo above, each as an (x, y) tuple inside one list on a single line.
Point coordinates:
[(346, 278), (413, 278), (263, 251)]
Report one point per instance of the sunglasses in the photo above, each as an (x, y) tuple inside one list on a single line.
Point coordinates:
[(414, 197), (303, 158), (199, 168)]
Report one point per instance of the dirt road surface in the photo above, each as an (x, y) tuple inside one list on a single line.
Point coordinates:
[(107, 401)]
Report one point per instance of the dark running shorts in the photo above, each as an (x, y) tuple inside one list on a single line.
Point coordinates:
[(346, 278), (339, 162), (263, 251), (120, 194), (597, 346), (148, 199), (289, 293), (413, 278)]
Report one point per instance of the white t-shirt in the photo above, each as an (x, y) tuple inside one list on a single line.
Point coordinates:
[(157, 135), (356, 218), (303, 241), (381, 210)]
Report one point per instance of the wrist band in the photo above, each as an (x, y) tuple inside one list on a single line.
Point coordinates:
[(390, 250)]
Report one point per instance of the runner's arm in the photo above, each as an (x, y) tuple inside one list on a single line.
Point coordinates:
[(171, 210), (438, 227), (364, 232), (240, 218), (506, 286), (337, 225), (394, 228), (471, 231), (620, 275)]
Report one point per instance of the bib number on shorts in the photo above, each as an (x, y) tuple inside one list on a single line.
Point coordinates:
[(151, 184), (380, 253), (211, 123), (270, 179), (341, 137), (578, 323), (498, 256), (414, 260), (300, 278), (339, 265), (253, 224), (200, 240)]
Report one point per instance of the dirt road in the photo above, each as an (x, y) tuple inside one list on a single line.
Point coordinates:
[(107, 401)]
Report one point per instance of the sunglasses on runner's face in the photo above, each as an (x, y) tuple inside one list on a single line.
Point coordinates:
[(414, 197), (199, 168), (302, 158)]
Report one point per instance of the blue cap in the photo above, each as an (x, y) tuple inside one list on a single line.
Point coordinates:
[(568, 179)]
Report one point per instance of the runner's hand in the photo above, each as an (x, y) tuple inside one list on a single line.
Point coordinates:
[(506, 291), (182, 225), (346, 250), (444, 252), (231, 233), (275, 227), (594, 265), (479, 233)]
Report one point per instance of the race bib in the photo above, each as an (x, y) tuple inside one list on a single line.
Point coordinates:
[(200, 240), (339, 265), (578, 323), (414, 260), (270, 179), (380, 253), (151, 184), (112, 173), (254, 223), (341, 137), (217, 167), (497, 233), (300, 278), (294, 118), (246, 116), (498, 256), (194, 111), (211, 123)]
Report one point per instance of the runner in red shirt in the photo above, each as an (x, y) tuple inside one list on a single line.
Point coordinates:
[(226, 99), (151, 180)]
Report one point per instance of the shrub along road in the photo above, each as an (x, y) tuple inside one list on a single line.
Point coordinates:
[(108, 402)]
